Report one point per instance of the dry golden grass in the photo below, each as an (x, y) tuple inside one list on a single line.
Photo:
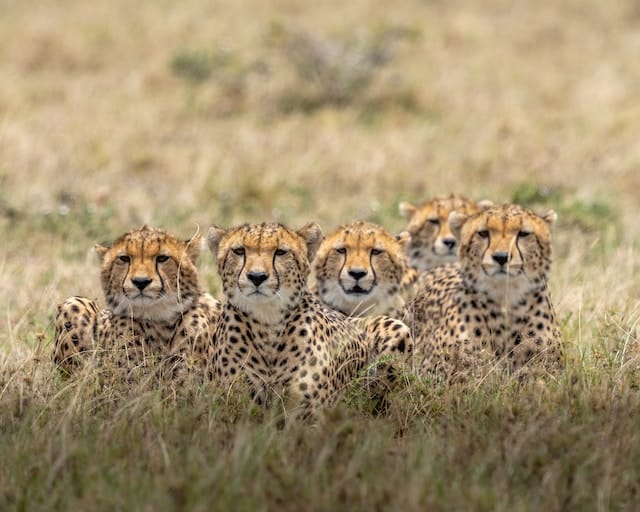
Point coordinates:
[(114, 114)]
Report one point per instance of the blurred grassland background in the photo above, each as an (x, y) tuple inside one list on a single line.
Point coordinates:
[(184, 114)]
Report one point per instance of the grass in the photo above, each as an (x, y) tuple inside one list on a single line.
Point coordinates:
[(565, 444), (203, 113)]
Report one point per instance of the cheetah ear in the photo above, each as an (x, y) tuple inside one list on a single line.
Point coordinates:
[(550, 217), (312, 235), (484, 204), (100, 251), (456, 221), (403, 238), (214, 235), (193, 248), (406, 210)]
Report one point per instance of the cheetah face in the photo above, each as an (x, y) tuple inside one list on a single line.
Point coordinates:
[(149, 274), (264, 267), (358, 266), (505, 249), (432, 241)]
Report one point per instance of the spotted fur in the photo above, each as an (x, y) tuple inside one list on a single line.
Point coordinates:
[(276, 333), (494, 304), (155, 307)]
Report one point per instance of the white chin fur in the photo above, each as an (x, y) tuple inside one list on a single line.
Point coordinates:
[(267, 310), (505, 289), (443, 252), (164, 309), (359, 305)]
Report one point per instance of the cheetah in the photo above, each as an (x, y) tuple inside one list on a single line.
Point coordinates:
[(494, 304), (361, 270), (276, 333), (433, 242), (155, 305)]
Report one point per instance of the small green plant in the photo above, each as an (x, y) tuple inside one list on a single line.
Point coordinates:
[(597, 215), (529, 193), (197, 66), (335, 71), (218, 80)]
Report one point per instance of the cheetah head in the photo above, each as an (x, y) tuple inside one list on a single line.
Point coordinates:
[(359, 268), (433, 242), (505, 250), (264, 267), (149, 274)]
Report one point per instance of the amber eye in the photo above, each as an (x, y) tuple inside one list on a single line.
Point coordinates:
[(124, 258), (341, 250), (161, 258), (435, 222), (238, 251), (281, 252), (523, 234), (375, 252), (483, 233)]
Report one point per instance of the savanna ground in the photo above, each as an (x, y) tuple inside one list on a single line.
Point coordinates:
[(116, 113)]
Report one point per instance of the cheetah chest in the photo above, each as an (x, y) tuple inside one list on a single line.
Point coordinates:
[(271, 356), (481, 321)]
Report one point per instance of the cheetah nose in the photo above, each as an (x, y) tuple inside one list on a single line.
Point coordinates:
[(500, 257), (449, 242), (141, 282), (257, 278), (357, 273)]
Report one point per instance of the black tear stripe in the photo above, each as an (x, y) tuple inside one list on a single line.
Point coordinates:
[(244, 264), (344, 262), (373, 271), (519, 250), (160, 277), (486, 248), (273, 265)]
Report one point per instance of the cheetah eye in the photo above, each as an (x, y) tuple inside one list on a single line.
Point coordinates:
[(523, 234), (161, 258), (435, 222), (238, 251), (281, 252), (341, 250), (375, 252), (483, 233), (124, 258)]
